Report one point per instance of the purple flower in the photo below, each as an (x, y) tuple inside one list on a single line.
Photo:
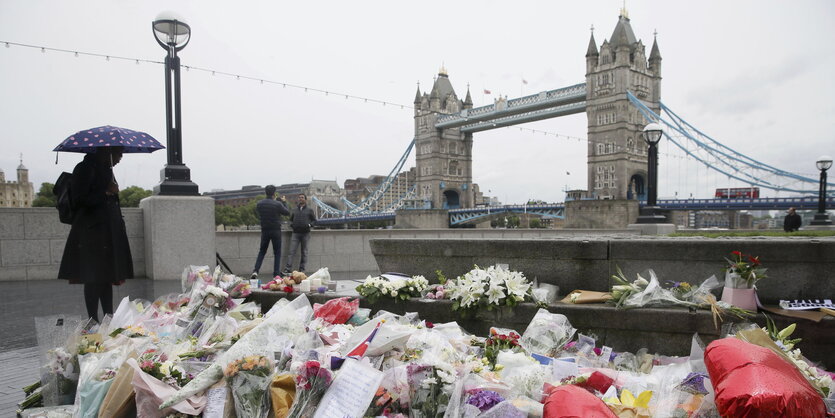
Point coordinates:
[(484, 399), (694, 383)]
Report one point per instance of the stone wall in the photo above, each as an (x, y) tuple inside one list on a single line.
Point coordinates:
[(603, 214), (347, 252), (798, 268), (32, 242)]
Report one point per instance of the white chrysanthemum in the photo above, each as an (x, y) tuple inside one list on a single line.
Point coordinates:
[(428, 382)]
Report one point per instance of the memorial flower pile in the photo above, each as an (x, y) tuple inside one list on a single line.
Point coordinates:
[(292, 362)]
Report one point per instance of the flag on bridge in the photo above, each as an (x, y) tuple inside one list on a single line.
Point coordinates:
[(487, 91)]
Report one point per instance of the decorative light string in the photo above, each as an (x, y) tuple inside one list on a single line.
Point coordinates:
[(306, 89)]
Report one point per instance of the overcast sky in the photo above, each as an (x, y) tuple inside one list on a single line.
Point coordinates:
[(756, 75)]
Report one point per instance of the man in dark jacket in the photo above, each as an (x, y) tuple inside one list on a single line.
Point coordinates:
[(792, 221), (97, 253), (269, 212), (302, 219)]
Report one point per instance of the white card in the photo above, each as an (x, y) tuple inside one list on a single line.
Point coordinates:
[(351, 391), (215, 403)]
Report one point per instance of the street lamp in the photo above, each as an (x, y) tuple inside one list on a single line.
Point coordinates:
[(652, 135), (822, 218), (172, 34)]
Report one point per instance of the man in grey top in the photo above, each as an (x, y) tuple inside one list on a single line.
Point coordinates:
[(269, 211), (302, 219)]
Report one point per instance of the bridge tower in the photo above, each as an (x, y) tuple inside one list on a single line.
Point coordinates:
[(617, 153), (444, 156)]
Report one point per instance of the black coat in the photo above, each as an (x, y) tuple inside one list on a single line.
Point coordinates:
[(792, 222), (97, 249)]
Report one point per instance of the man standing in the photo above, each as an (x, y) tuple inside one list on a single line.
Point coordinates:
[(269, 211), (792, 221), (302, 219)]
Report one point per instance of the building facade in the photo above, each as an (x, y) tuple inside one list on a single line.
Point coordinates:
[(327, 191), (617, 153), (17, 194)]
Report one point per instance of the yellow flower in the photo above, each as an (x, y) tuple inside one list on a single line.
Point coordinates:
[(629, 400)]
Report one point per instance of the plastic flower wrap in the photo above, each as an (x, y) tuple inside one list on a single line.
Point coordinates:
[(312, 380), (196, 274), (393, 285), (547, 333), (249, 378), (488, 288), (97, 373), (430, 389)]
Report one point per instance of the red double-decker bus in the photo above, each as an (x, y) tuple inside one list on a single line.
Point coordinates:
[(738, 193)]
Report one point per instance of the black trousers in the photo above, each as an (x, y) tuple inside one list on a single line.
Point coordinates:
[(95, 292)]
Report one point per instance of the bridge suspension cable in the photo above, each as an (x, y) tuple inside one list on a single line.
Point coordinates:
[(721, 158)]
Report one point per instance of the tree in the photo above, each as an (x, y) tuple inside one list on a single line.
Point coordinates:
[(227, 216), (246, 213), (130, 197), (536, 223), (45, 198)]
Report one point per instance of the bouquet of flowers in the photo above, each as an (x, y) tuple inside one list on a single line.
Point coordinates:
[(483, 399), (64, 366), (311, 383), (250, 379), (156, 363), (430, 389), (399, 287), (196, 274), (743, 271), (490, 288), (498, 340)]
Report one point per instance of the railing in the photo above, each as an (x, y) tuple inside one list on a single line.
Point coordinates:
[(763, 203)]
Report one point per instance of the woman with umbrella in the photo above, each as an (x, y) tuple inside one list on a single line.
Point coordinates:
[(97, 253)]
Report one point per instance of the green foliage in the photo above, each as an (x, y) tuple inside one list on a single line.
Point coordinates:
[(227, 215), (536, 223), (45, 198), (130, 197), (247, 212)]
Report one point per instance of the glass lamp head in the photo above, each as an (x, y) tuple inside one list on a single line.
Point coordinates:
[(171, 32), (824, 162), (652, 133)]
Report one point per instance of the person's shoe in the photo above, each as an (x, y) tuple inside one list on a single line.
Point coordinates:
[(254, 276), (286, 272)]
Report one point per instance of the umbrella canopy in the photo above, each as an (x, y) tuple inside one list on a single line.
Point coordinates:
[(109, 136)]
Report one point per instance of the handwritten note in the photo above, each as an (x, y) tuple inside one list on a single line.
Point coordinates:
[(351, 391), (215, 403)]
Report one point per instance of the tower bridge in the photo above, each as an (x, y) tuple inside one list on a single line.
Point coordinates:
[(620, 95)]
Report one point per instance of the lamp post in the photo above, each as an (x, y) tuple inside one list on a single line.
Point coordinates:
[(172, 34), (822, 218), (652, 135)]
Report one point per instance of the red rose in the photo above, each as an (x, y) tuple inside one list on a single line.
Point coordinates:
[(429, 324), (288, 289), (736, 253), (754, 260)]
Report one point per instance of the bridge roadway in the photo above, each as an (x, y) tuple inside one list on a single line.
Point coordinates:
[(557, 210)]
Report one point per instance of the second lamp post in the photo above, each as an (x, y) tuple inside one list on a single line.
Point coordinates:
[(652, 135)]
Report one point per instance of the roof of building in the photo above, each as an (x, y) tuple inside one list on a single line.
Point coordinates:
[(623, 34), (592, 51), (655, 54), (442, 87)]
